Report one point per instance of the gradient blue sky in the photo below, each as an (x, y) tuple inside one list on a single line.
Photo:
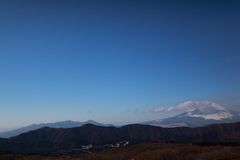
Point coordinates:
[(111, 60)]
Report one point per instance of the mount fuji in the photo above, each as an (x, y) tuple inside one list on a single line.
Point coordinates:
[(198, 114)]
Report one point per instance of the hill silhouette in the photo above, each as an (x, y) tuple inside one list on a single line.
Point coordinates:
[(46, 140)]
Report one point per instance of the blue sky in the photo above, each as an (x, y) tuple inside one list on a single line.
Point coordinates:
[(111, 61)]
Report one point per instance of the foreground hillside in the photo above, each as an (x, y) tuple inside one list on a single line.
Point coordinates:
[(144, 151), (96, 138)]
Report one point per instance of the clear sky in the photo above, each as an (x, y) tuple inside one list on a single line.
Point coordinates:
[(113, 60)]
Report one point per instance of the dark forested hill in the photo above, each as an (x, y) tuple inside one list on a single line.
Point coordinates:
[(68, 139)]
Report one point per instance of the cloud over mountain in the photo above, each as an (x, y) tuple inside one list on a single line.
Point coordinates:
[(190, 105), (187, 106), (205, 110), (196, 114)]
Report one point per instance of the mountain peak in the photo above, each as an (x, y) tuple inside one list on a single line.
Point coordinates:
[(91, 121), (210, 114), (206, 110), (198, 114), (89, 125), (206, 106)]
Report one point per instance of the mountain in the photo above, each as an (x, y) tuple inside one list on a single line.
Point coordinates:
[(63, 124), (201, 116), (72, 140)]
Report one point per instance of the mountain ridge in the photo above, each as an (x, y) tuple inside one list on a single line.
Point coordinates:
[(46, 140), (61, 124)]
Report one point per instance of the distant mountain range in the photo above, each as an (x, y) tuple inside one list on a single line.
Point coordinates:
[(63, 124), (211, 113), (74, 140), (208, 113)]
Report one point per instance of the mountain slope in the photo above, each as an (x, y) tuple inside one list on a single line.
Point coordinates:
[(63, 124), (68, 139), (201, 116)]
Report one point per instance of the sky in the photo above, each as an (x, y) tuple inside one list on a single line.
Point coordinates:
[(113, 61)]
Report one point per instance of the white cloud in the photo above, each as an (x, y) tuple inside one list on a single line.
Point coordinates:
[(151, 109), (155, 110), (185, 106), (189, 105), (160, 109)]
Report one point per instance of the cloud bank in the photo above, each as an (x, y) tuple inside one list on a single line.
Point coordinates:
[(189, 105), (186, 106)]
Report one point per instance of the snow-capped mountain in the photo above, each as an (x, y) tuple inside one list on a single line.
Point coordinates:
[(209, 113)]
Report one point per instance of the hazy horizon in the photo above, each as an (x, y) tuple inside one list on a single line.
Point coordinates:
[(116, 61)]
